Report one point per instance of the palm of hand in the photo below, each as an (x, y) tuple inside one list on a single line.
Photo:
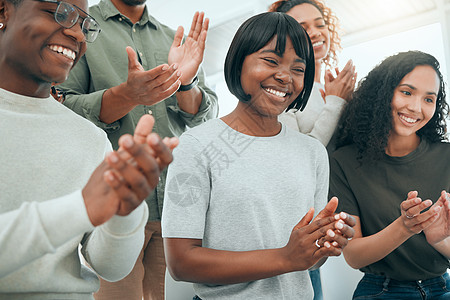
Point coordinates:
[(188, 56), (440, 229)]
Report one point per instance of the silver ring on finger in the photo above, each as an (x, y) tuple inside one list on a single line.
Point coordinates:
[(317, 243)]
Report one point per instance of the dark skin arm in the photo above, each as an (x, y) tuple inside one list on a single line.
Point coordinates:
[(187, 260)]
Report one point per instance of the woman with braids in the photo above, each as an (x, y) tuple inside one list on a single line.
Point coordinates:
[(391, 147), (321, 115)]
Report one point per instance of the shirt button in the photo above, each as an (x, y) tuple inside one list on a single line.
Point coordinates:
[(120, 19), (134, 29), (140, 54), (150, 112), (419, 281)]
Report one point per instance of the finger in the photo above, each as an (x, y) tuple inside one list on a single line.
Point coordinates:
[(133, 63), (348, 71), (202, 42), (178, 37), (323, 94), (424, 217), (134, 180), (198, 26), (143, 128), (307, 218), (415, 210), (160, 74), (145, 164), (193, 24), (171, 142), (347, 218), (410, 203), (431, 217), (344, 229), (163, 154), (329, 209)]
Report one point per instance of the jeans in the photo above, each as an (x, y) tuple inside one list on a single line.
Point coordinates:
[(380, 287), (316, 283)]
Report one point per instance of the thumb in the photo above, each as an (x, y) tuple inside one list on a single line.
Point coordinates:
[(323, 94), (306, 219), (143, 128), (329, 209), (133, 63)]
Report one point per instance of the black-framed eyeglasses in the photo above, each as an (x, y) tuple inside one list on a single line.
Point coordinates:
[(67, 15)]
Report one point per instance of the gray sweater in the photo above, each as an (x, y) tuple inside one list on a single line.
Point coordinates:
[(47, 155)]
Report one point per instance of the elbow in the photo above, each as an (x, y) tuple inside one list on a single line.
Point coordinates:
[(177, 271)]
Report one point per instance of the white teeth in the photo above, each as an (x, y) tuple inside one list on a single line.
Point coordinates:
[(318, 44), (275, 92), (409, 120), (64, 51)]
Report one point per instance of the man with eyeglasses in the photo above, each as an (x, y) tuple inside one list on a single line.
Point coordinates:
[(63, 191), (139, 66)]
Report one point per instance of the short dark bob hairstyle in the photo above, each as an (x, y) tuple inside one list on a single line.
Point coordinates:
[(367, 119), (257, 32)]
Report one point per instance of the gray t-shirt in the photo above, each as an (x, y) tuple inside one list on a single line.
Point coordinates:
[(238, 193)]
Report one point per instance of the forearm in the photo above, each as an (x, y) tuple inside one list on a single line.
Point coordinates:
[(122, 239), (189, 101), (376, 246), (36, 229), (443, 247), (204, 265), (115, 104)]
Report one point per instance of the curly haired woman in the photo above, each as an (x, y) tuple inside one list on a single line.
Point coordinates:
[(321, 115), (391, 145)]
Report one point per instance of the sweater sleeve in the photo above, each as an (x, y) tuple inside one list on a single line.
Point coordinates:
[(39, 228), (112, 248), (328, 119)]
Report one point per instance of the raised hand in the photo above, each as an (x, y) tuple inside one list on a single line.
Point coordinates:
[(343, 84), (189, 55), (413, 219), (152, 86), (128, 176), (440, 228)]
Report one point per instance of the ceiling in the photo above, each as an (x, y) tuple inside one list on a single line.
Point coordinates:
[(360, 20)]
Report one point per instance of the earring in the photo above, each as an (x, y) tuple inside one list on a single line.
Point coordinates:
[(1, 25)]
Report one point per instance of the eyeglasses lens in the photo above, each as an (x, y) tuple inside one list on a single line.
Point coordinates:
[(67, 15), (90, 29)]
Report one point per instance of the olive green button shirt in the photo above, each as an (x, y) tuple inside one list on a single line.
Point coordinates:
[(105, 65)]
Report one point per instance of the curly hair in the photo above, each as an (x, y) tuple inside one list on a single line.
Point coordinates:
[(330, 19), (367, 119)]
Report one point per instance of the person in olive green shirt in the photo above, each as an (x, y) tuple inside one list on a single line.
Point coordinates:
[(139, 66)]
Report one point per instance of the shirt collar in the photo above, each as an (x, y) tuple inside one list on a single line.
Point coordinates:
[(108, 10)]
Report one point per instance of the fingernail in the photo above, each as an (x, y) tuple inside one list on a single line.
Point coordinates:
[(335, 244), (113, 157), (175, 66), (165, 67), (326, 244), (178, 73), (437, 209), (330, 233), (339, 224), (127, 141), (343, 215), (336, 217), (153, 139)]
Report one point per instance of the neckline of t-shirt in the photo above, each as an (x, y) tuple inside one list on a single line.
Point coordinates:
[(422, 148), (259, 138)]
